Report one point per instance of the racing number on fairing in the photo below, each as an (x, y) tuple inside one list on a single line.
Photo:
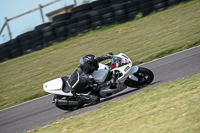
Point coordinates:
[(126, 69)]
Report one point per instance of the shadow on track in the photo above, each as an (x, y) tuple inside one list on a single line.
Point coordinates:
[(136, 90)]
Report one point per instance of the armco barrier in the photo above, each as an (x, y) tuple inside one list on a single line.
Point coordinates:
[(81, 19)]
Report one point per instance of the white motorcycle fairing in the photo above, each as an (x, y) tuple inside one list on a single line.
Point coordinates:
[(55, 87), (134, 69)]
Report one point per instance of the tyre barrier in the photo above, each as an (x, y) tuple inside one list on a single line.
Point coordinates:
[(61, 17), (81, 19), (82, 9), (159, 5), (99, 4), (96, 19), (132, 9), (120, 13), (4, 52)]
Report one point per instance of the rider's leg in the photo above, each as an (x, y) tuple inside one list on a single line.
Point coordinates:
[(114, 81)]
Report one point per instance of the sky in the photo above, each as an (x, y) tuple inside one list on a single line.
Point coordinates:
[(12, 8)]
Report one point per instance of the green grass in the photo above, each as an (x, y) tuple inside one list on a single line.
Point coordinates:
[(142, 40), (173, 107)]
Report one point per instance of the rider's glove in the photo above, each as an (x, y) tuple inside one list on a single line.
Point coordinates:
[(109, 55)]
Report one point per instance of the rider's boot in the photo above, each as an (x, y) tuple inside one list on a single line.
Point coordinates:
[(114, 81), (92, 98)]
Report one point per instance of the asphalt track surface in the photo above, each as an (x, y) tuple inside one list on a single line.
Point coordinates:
[(41, 112)]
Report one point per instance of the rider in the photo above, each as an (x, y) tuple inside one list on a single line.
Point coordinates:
[(82, 76)]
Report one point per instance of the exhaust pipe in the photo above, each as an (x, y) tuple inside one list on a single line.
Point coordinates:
[(65, 102)]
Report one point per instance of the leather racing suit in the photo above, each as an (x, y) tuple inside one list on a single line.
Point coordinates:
[(82, 78)]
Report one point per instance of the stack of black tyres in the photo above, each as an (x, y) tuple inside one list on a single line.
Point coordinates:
[(146, 6), (72, 27), (174, 2), (96, 19), (120, 13), (4, 52), (113, 2), (36, 39), (60, 31), (132, 8), (108, 16), (159, 5), (100, 4), (82, 9), (84, 23), (39, 27), (61, 17), (14, 48), (48, 34), (25, 42)]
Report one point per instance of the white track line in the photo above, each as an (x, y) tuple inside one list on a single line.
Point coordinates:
[(140, 65)]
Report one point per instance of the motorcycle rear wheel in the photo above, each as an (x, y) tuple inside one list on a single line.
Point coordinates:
[(144, 76)]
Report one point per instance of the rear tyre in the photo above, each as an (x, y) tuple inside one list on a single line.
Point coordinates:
[(144, 77)]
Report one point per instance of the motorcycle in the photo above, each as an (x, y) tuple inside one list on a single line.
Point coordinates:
[(125, 75)]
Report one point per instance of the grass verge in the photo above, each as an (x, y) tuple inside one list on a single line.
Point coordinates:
[(173, 107), (142, 40)]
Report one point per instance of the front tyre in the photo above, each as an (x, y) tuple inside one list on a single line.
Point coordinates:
[(143, 77)]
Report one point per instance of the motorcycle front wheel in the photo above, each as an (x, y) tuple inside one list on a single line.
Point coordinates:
[(143, 76)]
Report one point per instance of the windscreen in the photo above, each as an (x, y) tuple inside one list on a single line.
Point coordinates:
[(118, 62)]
